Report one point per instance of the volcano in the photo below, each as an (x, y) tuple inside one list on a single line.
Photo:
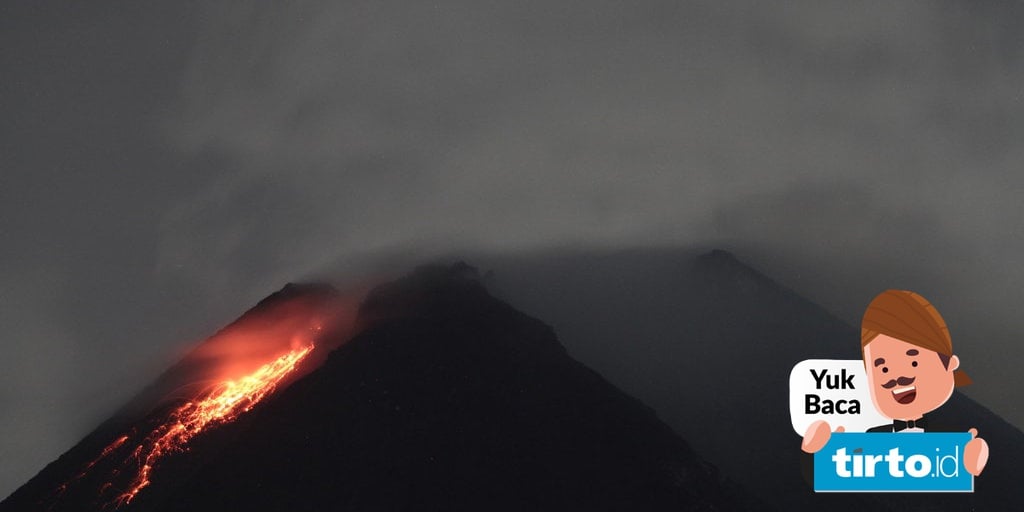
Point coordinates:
[(434, 395), (709, 341), (223, 378)]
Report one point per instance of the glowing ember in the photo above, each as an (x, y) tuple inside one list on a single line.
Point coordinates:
[(247, 360), (221, 404)]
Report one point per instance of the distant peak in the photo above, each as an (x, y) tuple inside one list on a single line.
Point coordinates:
[(719, 255), (722, 260), (428, 286), (295, 290), (723, 266), (459, 271), (306, 288)]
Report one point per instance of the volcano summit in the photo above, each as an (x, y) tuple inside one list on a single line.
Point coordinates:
[(435, 396)]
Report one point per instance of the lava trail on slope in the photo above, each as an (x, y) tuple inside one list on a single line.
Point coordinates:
[(224, 377), (222, 404)]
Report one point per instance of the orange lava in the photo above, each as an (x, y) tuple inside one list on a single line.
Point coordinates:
[(221, 404), (246, 361), (106, 451)]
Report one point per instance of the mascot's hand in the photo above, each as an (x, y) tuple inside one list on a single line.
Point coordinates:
[(818, 434), (975, 453)]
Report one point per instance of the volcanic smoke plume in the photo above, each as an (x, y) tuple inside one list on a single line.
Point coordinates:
[(226, 376)]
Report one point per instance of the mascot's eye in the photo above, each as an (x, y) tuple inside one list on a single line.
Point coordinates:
[(885, 369), (914, 364)]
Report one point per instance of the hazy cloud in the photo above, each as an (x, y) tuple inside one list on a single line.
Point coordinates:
[(173, 163), (873, 143)]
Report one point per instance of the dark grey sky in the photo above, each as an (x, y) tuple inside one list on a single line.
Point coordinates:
[(165, 166)]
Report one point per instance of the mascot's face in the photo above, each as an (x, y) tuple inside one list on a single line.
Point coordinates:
[(906, 381)]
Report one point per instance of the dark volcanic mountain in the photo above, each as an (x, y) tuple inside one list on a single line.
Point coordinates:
[(99, 471), (709, 343), (446, 399)]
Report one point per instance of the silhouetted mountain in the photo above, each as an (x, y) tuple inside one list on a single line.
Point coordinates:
[(709, 343), (446, 399), (450, 399), (90, 475)]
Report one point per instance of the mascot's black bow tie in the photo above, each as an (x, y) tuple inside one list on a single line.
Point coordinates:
[(898, 425)]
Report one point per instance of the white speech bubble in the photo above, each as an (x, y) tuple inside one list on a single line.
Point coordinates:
[(847, 375)]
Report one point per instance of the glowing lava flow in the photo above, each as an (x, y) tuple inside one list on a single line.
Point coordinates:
[(221, 404)]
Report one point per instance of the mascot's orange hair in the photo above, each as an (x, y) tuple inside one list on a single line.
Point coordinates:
[(909, 317)]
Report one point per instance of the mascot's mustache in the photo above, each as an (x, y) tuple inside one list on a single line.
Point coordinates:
[(902, 381)]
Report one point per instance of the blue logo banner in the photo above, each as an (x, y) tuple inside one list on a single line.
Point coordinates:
[(893, 462)]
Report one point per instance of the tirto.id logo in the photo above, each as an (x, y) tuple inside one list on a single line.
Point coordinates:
[(915, 466), (919, 462)]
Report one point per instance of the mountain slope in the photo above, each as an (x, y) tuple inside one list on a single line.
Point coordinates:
[(447, 399), (709, 342), (98, 471)]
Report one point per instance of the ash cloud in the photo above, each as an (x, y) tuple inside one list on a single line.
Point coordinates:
[(371, 126), (851, 148)]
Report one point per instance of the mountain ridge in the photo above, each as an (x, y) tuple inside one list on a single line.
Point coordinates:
[(457, 398), (663, 327), (708, 342)]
